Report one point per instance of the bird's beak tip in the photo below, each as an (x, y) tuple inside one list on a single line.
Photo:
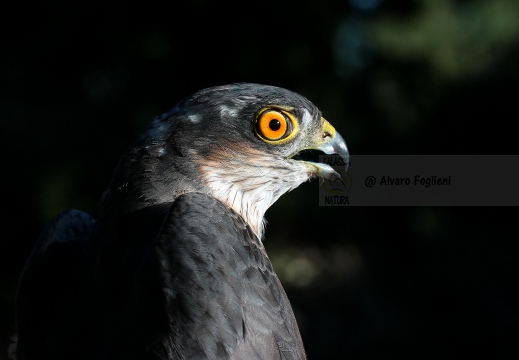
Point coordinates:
[(337, 146)]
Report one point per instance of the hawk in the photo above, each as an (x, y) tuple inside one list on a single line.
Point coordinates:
[(174, 266)]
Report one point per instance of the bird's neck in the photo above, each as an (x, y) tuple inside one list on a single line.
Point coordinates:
[(248, 186)]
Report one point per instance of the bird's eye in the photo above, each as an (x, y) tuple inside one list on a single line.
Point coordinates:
[(273, 125)]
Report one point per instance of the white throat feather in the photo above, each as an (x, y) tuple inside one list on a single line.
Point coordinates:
[(250, 182)]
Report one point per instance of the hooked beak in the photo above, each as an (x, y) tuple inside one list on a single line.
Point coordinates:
[(329, 143)]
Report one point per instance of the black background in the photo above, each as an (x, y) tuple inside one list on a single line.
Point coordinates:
[(79, 83)]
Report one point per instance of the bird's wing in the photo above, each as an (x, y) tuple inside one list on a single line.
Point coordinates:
[(222, 295), (45, 275)]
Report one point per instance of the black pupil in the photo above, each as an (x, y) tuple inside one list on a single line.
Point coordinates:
[(274, 125)]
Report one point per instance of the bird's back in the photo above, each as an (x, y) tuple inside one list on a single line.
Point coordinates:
[(187, 280)]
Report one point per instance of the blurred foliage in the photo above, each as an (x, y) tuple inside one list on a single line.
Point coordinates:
[(408, 77), (457, 39)]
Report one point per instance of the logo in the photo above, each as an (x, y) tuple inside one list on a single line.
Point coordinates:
[(335, 192)]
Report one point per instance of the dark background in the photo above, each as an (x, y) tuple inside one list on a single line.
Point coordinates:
[(78, 84)]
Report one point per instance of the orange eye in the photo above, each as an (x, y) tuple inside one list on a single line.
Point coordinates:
[(273, 125)]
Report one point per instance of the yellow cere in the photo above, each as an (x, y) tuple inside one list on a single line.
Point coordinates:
[(328, 128)]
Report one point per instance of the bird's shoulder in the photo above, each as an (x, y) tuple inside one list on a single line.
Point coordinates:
[(68, 226), (63, 234), (50, 269), (222, 294)]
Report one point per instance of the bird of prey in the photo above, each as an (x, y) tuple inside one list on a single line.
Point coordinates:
[(174, 266)]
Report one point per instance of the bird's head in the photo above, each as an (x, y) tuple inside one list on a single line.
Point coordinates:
[(244, 144)]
